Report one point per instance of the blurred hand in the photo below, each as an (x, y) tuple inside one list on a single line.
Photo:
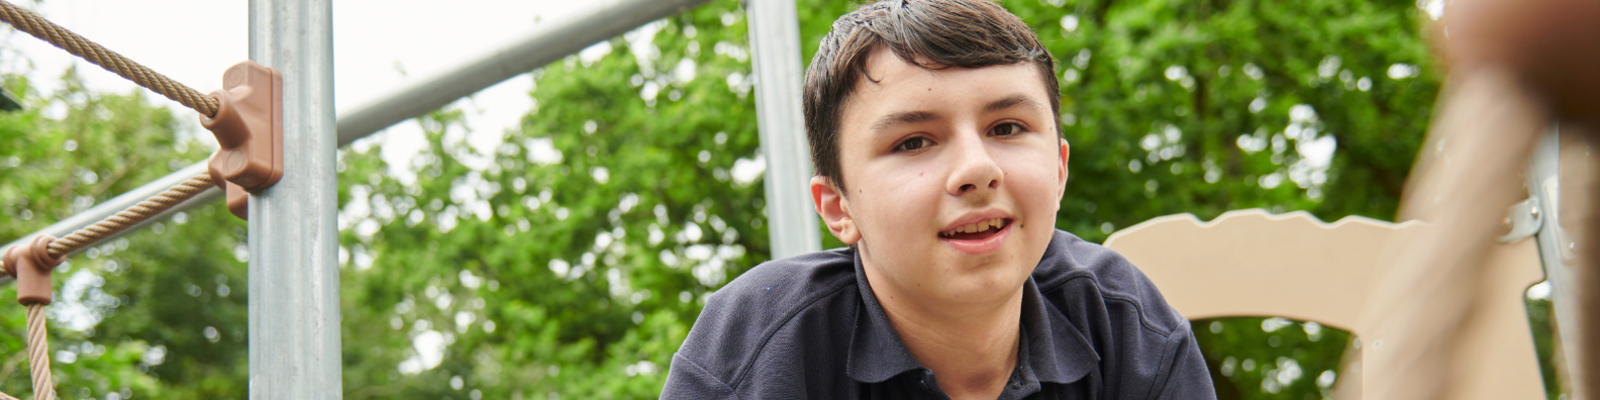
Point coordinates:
[(1552, 46)]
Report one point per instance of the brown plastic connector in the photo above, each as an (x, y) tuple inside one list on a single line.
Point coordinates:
[(31, 265), (249, 130)]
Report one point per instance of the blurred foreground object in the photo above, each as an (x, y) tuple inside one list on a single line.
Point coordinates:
[(1250, 263), (1552, 47), (1516, 67), (1467, 177)]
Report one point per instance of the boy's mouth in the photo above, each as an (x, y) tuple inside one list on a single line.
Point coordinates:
[(976, 231)]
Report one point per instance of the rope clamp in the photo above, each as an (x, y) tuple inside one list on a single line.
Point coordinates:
[(31, 265), (249, 131)]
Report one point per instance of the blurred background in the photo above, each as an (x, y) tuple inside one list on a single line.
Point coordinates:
[(556, 236)]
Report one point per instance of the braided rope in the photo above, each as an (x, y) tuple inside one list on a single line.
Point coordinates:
[(90, 51), (44, 387), (38, 344), (132, 216)]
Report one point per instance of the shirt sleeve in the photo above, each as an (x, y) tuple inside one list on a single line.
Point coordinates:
[(687, 380), (1187, 377)]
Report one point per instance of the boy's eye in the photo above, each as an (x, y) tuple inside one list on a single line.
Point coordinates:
[(1007, 129), (912, 144)]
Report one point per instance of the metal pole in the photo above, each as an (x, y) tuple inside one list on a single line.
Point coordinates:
[(1544, 184), (544, 44), (775, 44), (294, 235)]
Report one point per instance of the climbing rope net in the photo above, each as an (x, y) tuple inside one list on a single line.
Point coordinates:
[(31, 264)]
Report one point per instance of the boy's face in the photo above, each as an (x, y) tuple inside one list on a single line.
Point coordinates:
[(929, 156)]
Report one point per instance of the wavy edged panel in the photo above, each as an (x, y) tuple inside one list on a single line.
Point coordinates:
[(1254, 263)]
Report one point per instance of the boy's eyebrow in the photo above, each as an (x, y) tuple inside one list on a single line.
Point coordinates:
[(903, 117), (1013, 100), (913, 117)]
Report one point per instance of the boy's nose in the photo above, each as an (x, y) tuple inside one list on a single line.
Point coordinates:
[(973, 169)]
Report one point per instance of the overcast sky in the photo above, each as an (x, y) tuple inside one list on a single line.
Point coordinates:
[(379, 47)]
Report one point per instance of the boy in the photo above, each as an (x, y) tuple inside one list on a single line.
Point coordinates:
[(933, 129)]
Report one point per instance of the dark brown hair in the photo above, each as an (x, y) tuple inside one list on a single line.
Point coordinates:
[(932, 34)]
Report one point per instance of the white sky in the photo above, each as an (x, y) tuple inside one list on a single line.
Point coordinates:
[(379, 47)]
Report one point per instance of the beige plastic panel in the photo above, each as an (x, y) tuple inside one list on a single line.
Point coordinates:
[(1251, 263)]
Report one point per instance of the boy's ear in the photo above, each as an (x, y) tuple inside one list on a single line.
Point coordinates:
[(834, 209), (1061, 178)]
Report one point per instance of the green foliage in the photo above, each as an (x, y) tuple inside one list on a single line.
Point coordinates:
[(507, 271), (1210, 106), (1271, 357), (1541, 317), (143, 315), (578, 276)]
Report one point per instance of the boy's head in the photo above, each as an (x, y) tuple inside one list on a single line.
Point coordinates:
[(933, 128), (933, 34)]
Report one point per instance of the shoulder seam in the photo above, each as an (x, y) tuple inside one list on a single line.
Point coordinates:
[(744, 370), (702, 370), (1168, 362)]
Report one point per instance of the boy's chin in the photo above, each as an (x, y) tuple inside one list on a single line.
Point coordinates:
[(988, 283)]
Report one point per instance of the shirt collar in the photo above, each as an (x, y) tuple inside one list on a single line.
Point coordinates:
[(876, 352), (1056, 351)]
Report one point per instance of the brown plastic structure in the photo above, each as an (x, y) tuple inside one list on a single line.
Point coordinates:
[(249, 130), (31, 266)]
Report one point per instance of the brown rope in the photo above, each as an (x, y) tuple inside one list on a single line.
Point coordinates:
[(132, 216), (90, 51), (44, 387), (38, 344)]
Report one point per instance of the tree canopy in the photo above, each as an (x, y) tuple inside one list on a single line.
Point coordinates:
[(569, 257)]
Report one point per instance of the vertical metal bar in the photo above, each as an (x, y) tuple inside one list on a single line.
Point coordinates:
[(1544, 184), (294, 269), (775, 44)]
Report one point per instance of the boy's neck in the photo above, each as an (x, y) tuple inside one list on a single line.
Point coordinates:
[(971, 348)]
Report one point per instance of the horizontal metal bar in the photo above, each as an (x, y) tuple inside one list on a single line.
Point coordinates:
[(542, 45), (122, 202)]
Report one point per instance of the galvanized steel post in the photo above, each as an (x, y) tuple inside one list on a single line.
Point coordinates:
[(294, 236), (775, 45), (1555, 247)]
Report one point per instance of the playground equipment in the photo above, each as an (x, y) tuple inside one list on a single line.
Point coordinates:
[(294, 313), (1252, 263)]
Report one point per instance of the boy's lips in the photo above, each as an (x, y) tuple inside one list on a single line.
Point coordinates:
[(979, 243)]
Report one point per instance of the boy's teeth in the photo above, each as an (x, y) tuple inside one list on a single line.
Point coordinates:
[(996, 223)]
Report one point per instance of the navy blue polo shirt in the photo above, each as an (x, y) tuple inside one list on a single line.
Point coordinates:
[(809, 327)]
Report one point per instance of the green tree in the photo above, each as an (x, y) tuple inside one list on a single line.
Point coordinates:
[(156, 313), (571, 259)]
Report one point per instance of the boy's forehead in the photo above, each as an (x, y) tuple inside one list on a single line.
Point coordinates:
[(892, 85)]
